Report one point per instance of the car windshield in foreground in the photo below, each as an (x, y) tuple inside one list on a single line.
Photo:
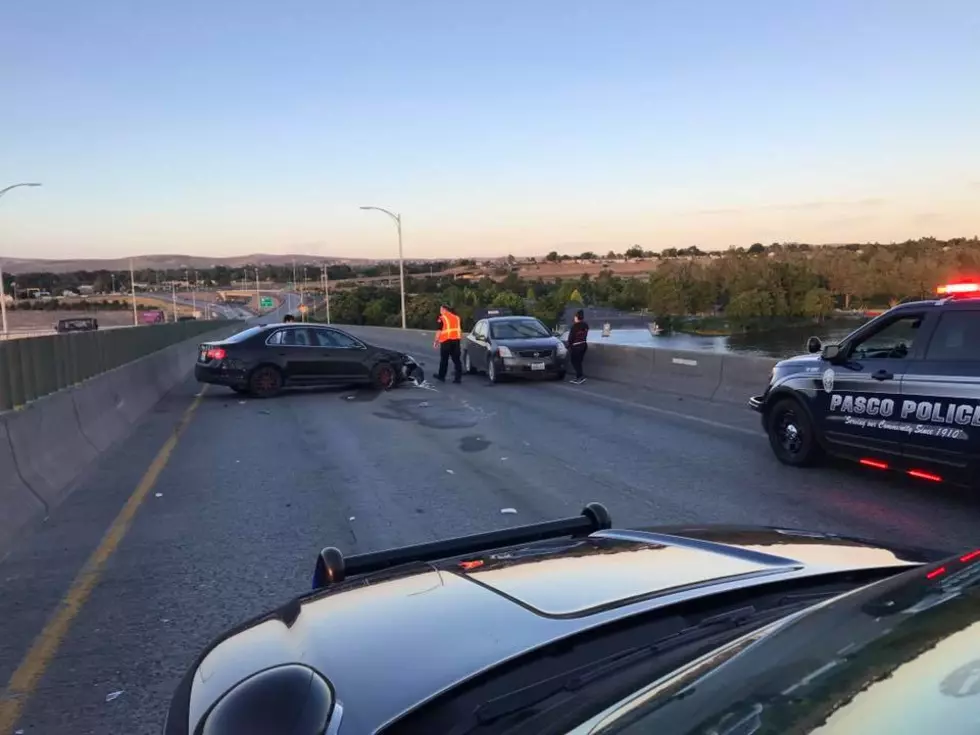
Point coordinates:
[(902, 655), (518, 329), (245, 334)]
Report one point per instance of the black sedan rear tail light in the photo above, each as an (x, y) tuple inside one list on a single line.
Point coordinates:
[(215, 353)]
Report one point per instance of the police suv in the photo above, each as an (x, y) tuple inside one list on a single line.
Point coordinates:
[(901, 393)]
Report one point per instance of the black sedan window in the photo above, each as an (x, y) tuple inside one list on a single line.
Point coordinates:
[(333, 338), (518, 329)]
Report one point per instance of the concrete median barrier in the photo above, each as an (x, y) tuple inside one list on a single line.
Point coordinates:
[(716, 376), (49, 448), (19, 506), (695, 374), (99, 406), (49, 443), (743, 376)]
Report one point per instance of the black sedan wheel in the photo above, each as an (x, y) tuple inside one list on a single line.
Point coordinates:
[(265, 382), (791, 434), (468, 363), (384, 376)]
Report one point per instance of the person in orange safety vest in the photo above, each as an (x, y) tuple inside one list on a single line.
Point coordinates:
[(448, 340)]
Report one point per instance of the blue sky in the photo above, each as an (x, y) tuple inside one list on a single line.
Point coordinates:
[(219, 127)]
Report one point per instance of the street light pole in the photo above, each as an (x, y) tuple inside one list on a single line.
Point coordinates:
[(401, 258), (326, 290), (3, 296), (132, 288)]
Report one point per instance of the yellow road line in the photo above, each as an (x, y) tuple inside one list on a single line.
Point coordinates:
[(25, 679)]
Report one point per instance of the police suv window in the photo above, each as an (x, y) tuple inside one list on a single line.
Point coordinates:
[(957, 337), (893, 341)]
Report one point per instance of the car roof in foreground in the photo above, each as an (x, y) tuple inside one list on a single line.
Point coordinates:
[(446, 621)]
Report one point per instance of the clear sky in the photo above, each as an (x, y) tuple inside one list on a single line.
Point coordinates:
[(221, 127)]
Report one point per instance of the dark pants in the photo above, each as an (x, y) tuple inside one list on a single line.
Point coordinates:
[(577, 354), (449, 349)]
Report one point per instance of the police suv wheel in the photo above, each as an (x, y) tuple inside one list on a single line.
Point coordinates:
[(791, 434)]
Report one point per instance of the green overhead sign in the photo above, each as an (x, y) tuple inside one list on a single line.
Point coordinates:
[(267, 302)]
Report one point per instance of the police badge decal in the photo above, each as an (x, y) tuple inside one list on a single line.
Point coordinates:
[(828, 380)]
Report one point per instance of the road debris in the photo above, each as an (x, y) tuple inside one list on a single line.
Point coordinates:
[(112, 696), (450, 472), (508, 511)]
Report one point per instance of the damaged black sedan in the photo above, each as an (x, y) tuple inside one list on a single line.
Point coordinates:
[(261, 361)]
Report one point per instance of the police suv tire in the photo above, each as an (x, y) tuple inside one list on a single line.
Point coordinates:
[(468, 363), (265, 382), (384, 376), (791, 434)]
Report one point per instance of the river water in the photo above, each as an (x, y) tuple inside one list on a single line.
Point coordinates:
[(779, 343)]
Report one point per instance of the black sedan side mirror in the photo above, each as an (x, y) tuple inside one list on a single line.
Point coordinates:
[(813, 345), (830, 353)]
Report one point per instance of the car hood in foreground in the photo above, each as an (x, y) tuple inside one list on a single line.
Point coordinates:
[(391, 640)]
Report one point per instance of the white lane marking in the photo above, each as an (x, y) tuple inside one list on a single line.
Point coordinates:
[(664, 411), (684, 361)]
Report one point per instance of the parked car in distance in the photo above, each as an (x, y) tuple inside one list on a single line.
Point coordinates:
[(77, 324), (263, 360)]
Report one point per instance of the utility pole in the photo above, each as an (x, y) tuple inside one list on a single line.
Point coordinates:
[(132, 287), (258, 296), (173, 297), (326, 291)]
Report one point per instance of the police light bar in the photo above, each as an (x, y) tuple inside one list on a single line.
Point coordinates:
[(951, 289)]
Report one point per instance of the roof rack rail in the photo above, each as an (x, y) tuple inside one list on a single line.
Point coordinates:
[(332, 567)]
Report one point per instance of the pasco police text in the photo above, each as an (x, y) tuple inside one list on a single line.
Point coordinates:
[(954, 413)]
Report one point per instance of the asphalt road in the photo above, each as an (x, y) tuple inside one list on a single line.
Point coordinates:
[(253, 489)]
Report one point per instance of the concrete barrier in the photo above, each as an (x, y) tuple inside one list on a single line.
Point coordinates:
[(743, 376), (19, 506), (688, 373), (716, 376), (49, 443)]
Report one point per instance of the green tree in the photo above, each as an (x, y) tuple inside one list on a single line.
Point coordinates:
[(818, 303)]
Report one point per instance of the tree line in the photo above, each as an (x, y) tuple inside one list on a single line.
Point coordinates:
[(781, 282)]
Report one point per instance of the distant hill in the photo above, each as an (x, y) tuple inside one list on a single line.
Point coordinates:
[(164, 262)]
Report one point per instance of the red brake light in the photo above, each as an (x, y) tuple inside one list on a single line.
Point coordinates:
[(970, 556), (954, 288), (936, 573), (924, 475), (216, 353), (468, 565), (877, 464)]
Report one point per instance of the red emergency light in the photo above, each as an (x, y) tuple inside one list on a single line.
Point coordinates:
[(952, 289)]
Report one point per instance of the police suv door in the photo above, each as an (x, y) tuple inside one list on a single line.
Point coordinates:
[(862, 390), (941, 398)]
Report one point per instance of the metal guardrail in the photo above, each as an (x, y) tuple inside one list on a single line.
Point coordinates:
[(37, 366)]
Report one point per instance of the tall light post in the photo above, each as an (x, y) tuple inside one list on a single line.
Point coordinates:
[(326, 291), (132, 289), (401, 259), (3, 296)]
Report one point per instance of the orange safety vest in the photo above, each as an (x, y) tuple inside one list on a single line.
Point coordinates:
[(451, 327)]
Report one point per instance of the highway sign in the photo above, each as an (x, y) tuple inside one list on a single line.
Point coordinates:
[(267, 302)]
